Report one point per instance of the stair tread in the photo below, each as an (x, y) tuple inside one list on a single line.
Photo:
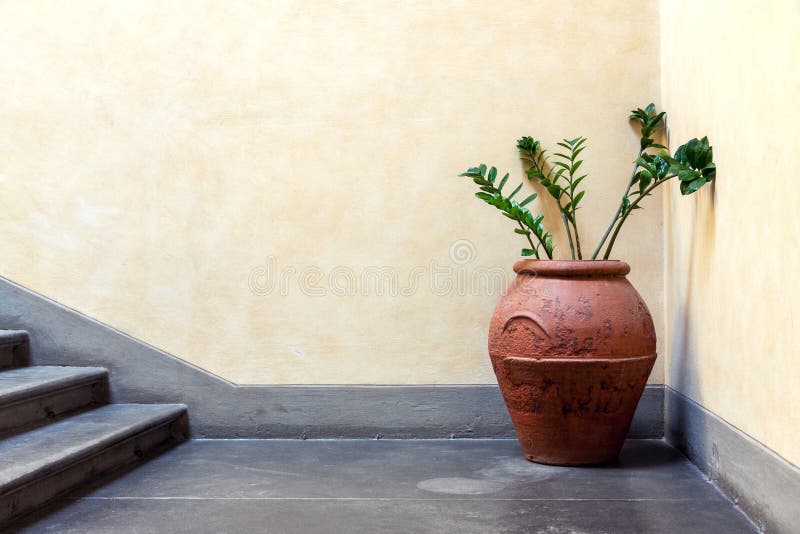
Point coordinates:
[(28, 382), (29, 456)]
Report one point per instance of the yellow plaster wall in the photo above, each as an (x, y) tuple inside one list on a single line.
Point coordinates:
[(155, 155), (730, 70)]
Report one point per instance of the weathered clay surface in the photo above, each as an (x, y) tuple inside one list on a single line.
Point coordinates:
[(572, 344)]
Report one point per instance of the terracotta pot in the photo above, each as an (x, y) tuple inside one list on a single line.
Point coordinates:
[(572, 344)]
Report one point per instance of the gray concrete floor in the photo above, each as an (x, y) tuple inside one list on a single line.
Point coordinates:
[(461, 486)]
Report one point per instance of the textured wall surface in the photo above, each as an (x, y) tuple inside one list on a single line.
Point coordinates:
[(163, 163), (733, 312)]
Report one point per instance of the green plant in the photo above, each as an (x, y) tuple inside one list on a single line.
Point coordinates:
[(528, 224), (559, 180), (692, 163)]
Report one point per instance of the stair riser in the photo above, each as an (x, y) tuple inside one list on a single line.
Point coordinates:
[(46, 408), (14, 355), (125, 453)]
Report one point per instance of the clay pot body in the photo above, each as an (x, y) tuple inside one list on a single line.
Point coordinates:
[(572, 344)]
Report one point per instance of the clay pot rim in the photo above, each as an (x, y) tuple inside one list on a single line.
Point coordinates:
[(568, 268)]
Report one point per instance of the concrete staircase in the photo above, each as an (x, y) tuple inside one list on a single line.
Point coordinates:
[(58, 432)]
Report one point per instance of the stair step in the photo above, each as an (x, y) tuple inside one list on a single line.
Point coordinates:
[(36, 395), (14, 348), (40, 465)]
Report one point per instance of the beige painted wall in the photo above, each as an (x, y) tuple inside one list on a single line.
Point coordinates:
[(733, 320), (153, 154)]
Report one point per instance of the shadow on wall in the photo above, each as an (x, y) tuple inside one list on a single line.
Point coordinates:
[(701, 252)]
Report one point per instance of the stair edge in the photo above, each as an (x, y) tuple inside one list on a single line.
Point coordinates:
[(91, 374), (171, 413)]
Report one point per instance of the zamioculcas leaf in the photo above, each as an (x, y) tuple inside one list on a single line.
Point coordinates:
[(705, 153), (661, 166), (534, 172), (577, 199), (687, 188), (502, 182), (555, 191), (528, 199), (509, 208), (576, 182), (688, 175), (644, 181), (528, 252), (515, 191)]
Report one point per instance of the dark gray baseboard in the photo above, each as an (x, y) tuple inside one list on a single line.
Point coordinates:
[(220, 409), (764, 485)]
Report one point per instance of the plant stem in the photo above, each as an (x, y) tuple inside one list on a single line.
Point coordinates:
[(534, 248), (632, 206), (574, 225), (577, 239), (569, 235), (540, 240), (619, 209)]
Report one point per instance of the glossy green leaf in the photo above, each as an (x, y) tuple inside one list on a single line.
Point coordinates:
[(502, 182), (687, 188), (528, 199), (555, 191), (644, 180), (574, 185), (578, 197)]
